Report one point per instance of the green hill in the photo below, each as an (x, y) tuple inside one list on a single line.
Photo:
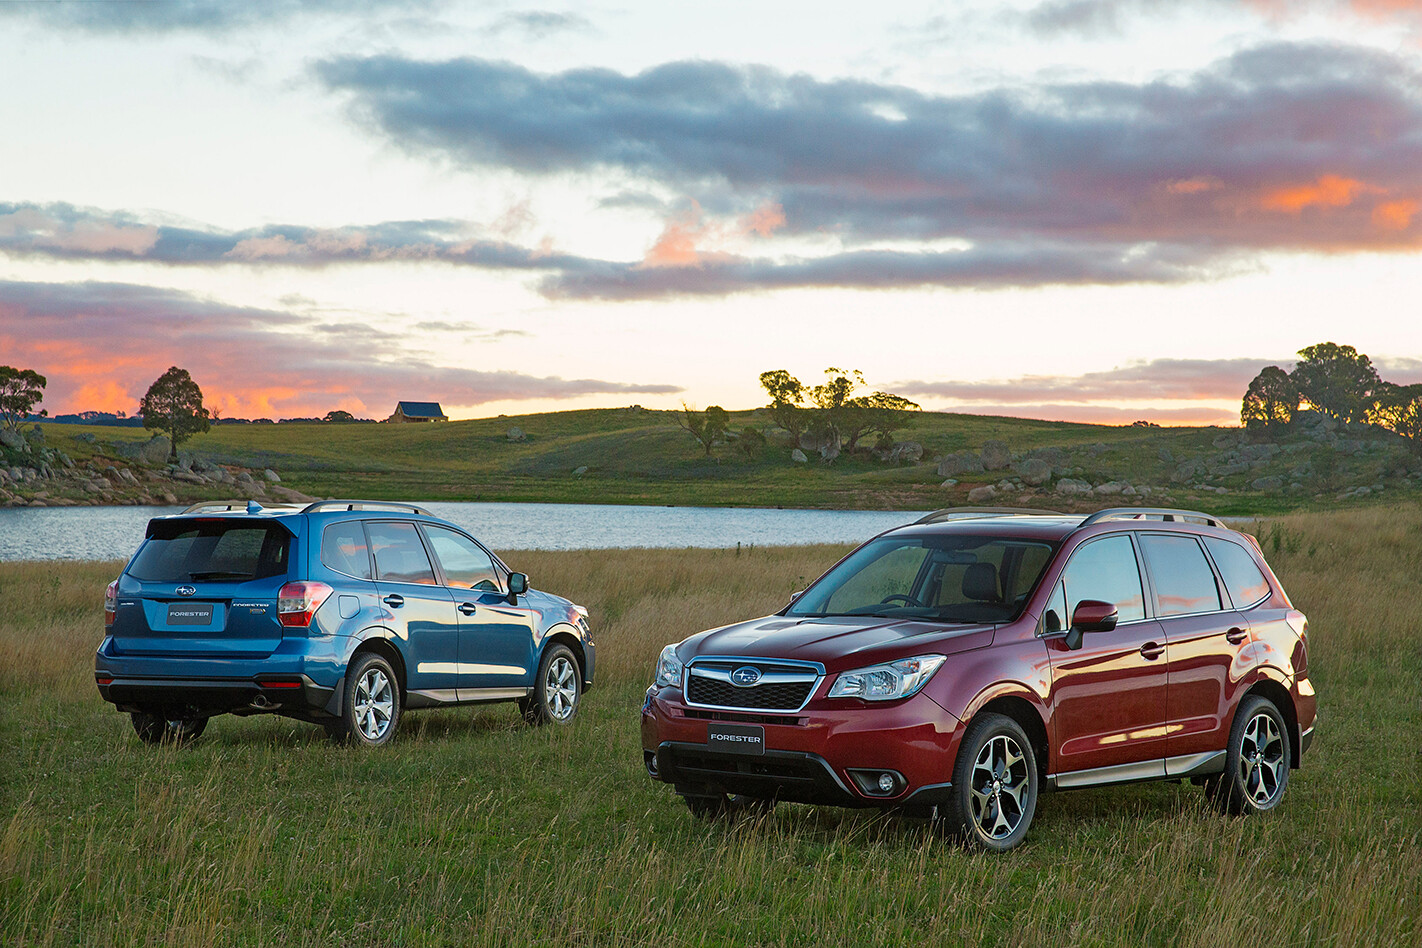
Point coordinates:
[(641, 457)]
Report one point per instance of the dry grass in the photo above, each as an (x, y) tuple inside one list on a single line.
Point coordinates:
[(473, 830)]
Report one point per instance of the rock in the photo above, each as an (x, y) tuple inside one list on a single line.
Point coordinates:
[(903, 452), (12, 440), (86, 437), (950, 482), (1055, 457), (127, 477), (1129, 491), (1267, 483), (168, 498), (1111, 487), (1035, 471), (996, 455), (1005, 486), (271, 476), (829, 450), (245, 479), (981, 495), (954, 464), (580, 471), (1070, 485), (1224, 441), (516, 434), (799, 457), (187, 477), (155, 450), (1165, 455)]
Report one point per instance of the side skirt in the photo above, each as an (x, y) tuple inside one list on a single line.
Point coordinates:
[(1170, 768), (446, 697)]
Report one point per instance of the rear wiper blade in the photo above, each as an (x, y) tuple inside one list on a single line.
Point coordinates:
[(217, 574)]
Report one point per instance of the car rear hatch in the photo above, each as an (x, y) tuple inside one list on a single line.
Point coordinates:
[(204, 586)]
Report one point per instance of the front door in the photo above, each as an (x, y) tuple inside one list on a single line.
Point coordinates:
[(1108, 697)]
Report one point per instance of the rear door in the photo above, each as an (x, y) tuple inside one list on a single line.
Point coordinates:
[(204, 587), (496, 648), (417, 608)]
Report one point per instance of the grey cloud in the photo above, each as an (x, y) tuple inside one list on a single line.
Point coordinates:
[(77, 333), (196, 16), (1155, 379), (1201, 159), (540, 24)]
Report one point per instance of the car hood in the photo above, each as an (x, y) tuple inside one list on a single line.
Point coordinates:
[(837, 642)]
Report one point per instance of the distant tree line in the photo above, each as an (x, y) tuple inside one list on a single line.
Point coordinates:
[(1338, 382)]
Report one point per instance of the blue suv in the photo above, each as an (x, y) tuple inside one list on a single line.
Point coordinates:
[(340, 613)]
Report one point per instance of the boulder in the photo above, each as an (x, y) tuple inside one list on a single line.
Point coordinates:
[(154, 450), (516, 434), (11, 439), (950, 482), (1111, 487), (1267, 483), (245, 478), (127, 477), (271, 476), (906, 452), (168, 498), (580, 470), (996, 455), (829, 450), (954, 464), (1165, 455), (799, 456), (981, 495), (1055, 457), (1070, 485), (1035, 472), (87, 437)]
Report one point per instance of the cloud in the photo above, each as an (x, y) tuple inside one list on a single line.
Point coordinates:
[(1105, 414), (1193, 159), (539, 24), (192, 16), (101, 345), (1111, 17), (1152, 380)]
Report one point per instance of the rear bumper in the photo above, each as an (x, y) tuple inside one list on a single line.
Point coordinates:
[(297, 695), (821, 754)]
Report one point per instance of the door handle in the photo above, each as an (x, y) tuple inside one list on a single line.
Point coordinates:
[(1236, 635), (468, 608), (1152, 650), (394, 601)]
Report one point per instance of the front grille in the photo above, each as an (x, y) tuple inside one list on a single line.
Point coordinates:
[(783, 685), (782, 697), (736, 717), (786, 770)]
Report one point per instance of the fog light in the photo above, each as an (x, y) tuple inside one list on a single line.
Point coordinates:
[(886, 783)]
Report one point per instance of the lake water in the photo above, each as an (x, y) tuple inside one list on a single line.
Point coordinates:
[(108, 533)]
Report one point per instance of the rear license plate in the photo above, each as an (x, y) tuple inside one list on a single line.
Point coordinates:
[(190, 613), (737, 738)]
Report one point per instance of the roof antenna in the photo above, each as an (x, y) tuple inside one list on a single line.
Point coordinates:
[(253, 507)]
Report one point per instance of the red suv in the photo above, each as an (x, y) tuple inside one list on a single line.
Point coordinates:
[(956, 667)]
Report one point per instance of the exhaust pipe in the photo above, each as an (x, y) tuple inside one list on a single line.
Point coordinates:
[(261, 703)]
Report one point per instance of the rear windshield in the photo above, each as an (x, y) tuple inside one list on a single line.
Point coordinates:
[(944, 578), (212, 551)]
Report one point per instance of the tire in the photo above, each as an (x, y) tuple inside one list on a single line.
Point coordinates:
[(557, 690), (1257, 761), (995, 785), (370, 710), (153, 728)]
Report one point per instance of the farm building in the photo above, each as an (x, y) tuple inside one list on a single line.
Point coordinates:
[(418, 411)]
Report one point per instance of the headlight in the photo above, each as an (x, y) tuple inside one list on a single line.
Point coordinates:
[(887, 682), (669, 667)]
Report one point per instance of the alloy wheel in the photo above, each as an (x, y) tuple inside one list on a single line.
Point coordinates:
[(1261, 760), (374, 703), (999, 784), (560, 688)]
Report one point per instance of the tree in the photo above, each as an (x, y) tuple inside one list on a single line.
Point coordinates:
[(750, 442), (173, 404), (20, 391), (1398, 408), (850, 417), (787, 401), (705, 426), (1336, 380), (1270, 401), (338, 415)]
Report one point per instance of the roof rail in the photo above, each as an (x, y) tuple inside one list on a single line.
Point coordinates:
[(1146, 513), (244, 505), (364, 505), (980, 513)]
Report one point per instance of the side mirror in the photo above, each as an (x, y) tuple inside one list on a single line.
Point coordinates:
[(1091, 615), (518, 584)]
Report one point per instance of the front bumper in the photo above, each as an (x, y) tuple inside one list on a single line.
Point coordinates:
[(818, 755)]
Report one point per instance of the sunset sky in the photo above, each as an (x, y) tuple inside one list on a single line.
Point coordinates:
[(1095, 210)]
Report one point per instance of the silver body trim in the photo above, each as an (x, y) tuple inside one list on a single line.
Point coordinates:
[(1185, 765)]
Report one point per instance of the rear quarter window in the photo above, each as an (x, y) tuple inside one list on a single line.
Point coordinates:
[(1243, 579), (234, 551), (343, 549)]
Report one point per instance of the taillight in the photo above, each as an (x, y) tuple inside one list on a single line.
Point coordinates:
[(297, 602), (110, 603)]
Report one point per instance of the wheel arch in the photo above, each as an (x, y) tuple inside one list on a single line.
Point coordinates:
[(564, 635), (385, 648), (1017, 703), (1279, 697)]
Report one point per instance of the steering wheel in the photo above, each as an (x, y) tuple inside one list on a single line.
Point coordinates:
[(908, 600)]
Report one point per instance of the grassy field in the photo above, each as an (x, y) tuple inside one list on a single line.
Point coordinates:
[(475, 830), (644, 458)]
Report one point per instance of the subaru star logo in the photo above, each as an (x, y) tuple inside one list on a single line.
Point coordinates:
[(745, 676), (187, 590)]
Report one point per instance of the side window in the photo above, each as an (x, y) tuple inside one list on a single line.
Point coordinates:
[(465, 563), (1246, 584), (1106, 570), (399, 554), (1184, 582), (344, 550), (1054, 619)]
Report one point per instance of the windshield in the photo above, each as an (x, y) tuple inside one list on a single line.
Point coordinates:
[(211, 551), (944, 578)]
